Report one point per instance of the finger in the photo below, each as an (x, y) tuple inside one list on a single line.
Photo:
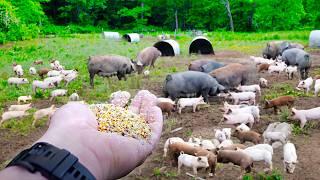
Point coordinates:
[(155, 120), (74, 113)]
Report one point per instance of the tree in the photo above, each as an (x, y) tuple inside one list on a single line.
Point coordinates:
[(227, 6)]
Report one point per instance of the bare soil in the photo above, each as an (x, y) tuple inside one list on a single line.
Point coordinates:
[(202, 123)]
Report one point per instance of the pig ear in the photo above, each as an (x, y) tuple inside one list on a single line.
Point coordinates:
[(196, 154), (221, 109), (229, 111)]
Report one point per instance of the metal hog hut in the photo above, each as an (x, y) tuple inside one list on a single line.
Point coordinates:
[(168, 47), (201, 45), (132, 37), (314, 39)]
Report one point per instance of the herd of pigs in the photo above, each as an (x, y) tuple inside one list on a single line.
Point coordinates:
[(192, 88)]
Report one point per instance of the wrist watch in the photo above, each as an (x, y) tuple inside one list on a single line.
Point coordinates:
[(52, 162)]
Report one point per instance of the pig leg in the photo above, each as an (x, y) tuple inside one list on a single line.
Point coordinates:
[(180, 109), (303, 121), (91, 79), (194, 107), (179, 167), (194, 170), (275, 110)]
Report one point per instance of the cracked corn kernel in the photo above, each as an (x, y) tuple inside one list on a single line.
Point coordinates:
[(118, 120)]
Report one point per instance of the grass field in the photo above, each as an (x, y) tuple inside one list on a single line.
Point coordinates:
[(73, 51)]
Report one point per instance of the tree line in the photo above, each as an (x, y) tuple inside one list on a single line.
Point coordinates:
[(30, 16)]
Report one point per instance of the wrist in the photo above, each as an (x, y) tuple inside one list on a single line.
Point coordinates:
[(16, 172)]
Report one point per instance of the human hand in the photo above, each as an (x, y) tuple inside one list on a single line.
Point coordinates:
[(106, 155)]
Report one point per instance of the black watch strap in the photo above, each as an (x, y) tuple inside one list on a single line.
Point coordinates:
[(52, 162)]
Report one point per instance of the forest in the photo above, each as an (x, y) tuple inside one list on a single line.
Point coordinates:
[(26, 19)]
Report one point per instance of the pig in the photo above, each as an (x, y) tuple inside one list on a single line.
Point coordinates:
[(242, 127), (317, 87), (212, 159), (270, 137), (220, 135), (272, 50), (17, 81), (74, 97), (266, 147), (147, 57), (242, 96), (192, 161), (195, 140), (254, 110), (32, 71), (109, 65), (263, 67), (231, 75), (53, 73), (250, 88), (54, 80), (194, 102), (263, 82), (17, 69), (276, 68), (166, 107), (300, 58), (225, 143), (305, 115), (170, 141), (245, 118), (146, 73), (291, 70), (42, 72), (197, 64), (305, 84), (70, 77), (58, 92), (175, 149), (43, 113), (24, 99), (285, 45), (24, 107), (259, 155), (290, 158), (284, 128), (38, 62), (237, 158), (12, 114), (159, 100), (280, 101), (184, 84), (233, 147), (210, 66), (66, 72), (207, 144), (42, 85), (227, 106), (250, 136), (261, 60), (227, 132)]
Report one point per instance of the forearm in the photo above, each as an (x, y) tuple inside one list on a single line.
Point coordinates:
[(15, 172)]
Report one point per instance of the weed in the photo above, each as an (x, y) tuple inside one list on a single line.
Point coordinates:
[(284, 114), (275, 175), (188, 133)]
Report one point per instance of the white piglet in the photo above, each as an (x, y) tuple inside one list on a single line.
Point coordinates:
[(317, 87), (243, 96), (305, 84), (291, 70), (192, 162), (306, 115), (23, 107), (254, 110), (220, 135), (258, 154), (263, 82), (290, 158), (242, 127), (270, 137), (12, 114), (58, 92), (233, 119), (54, 80), (17, 81), (70, 77), (74, 97), (32, 71), (42, 85), (194, 102), (43, 113), (24, 99), (53, 73), (250, 88)]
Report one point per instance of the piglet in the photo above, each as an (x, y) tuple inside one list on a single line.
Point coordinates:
[(70, 77), (42, 85), (37, 62), (54, 80), (242, 96), (23, 107), (32, 71), (24, 99), (12, 114), (317, 87), (280, 101), (42, 72), (74, 97), (192, 162), (166, 107), (245, 118), (194, 102), (291, 70), (259, 155), (17, 81), (242, 127), (254, 110), (306, 115), (170, 141), (305, 85), (165, 100), (250, 88), (53, 73), (263, 82), (270, 137), (43, 113), (263, 67), (290, 158), (250, 136), (58, 92), (220, 135)]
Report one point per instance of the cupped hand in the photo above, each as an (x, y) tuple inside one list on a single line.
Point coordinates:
[(107, 155)]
